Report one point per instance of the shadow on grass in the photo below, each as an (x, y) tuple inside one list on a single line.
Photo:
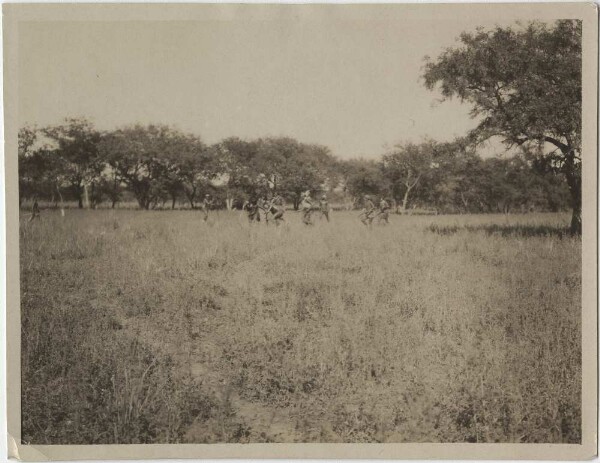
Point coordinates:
[(504, 230)]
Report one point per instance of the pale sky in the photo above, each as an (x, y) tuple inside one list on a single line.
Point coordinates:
[(353, 86)]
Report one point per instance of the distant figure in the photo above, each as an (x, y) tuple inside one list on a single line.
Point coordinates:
[(206, 205), (366, 215), (252, 209), (35, 211), (264, 205), (383, 214), (277, 208), (306, 207), (324, 207)]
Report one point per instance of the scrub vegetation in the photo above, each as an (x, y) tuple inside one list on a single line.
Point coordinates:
[(156, 327)]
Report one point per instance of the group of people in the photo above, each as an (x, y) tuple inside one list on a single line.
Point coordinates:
[(370, 212), (275, 208), (307, 206)]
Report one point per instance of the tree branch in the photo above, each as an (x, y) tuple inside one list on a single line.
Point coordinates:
[(563, 147)]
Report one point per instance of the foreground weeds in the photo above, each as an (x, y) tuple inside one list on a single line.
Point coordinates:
[(157, 327)]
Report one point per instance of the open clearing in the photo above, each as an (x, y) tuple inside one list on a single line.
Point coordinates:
[(156, 327)]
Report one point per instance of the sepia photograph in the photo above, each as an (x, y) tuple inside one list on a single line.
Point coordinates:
[(302, 224)]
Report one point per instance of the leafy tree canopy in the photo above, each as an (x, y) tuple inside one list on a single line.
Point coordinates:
[(524, 85)]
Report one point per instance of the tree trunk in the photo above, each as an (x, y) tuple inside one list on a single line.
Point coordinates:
[(576, 224), (115, 192), (62, 208), (574, 182), (92, 199), (79, 190), (573, 173), (143, 202), (173, 203), (86, 197), (405, 198), (229, 203), (190, 193)]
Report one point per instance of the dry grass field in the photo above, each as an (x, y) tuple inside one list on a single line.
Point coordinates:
[(158, 327)]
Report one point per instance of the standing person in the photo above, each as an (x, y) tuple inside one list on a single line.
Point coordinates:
[(306, 207), (251, 208), (35, 211), (383, 214), (324, 207), (366, 215), (264, 205), (206, 204), (277, 208)]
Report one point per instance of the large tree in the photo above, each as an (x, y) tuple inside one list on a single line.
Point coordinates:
[(43, 173), (30, 168), (406, 166), (450, 176), (187, 167), (77, 145), (145, 159), (272, 165), (235, 159), (291, 167), (361, 177), (197, 167), (524, 85)]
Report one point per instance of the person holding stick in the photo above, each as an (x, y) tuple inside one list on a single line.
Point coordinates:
[(306, 207), (206, 204), (366, 214), (35, 211), (324, 207), (277, 209), (252, 209), (383, 214)]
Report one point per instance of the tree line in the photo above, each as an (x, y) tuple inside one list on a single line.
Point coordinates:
[(523, 85), (160, 166)]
